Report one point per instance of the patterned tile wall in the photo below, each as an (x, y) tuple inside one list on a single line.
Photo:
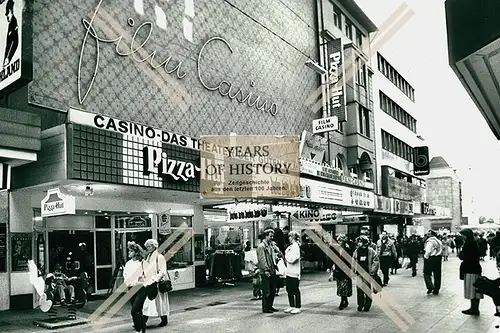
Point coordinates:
[(110, 157), (270, 39)]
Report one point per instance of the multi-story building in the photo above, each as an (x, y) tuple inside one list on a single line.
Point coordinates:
[(444, 197), (350, 148), (99, 108), (396, 134)]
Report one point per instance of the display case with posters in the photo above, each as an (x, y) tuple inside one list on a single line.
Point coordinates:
[(22, 247)]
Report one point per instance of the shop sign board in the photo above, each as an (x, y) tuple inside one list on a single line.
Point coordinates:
[(143, 132), (249, 213), (323, 125), (249, 166), (325, 171), (164, 223), (384, 205), (55, 203), (155, 160), (402, 207), (320, 192), (308, 214), (336, 75), (355, 219)]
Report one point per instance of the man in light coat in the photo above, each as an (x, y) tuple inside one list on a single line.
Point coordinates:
[(433, 262), (266, 261), (386, 251)]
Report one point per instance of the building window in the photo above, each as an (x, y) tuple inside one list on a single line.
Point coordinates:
[(396, 146), (364, 121), (353, 172), (360, 72), (396, 78), (348, 29), (339, 163), (395, 111), (337, 18), (359, 38)]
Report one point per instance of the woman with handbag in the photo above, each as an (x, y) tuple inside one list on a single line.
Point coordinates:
[(344, 282), (157, 276), (470, 271)]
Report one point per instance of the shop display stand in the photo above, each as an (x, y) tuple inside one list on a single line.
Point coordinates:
[(224, 281)]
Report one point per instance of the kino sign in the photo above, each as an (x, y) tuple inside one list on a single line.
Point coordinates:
[(308, 214)]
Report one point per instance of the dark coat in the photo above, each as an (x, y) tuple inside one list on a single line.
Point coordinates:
[(338, 273), (470, 255)]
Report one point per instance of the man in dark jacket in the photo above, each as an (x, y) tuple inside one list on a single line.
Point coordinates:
[(12, 33), (266, 261), (413, 249)]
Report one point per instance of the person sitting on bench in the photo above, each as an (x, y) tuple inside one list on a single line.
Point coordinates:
[(59, 286)]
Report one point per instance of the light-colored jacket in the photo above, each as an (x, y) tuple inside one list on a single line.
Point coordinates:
[(292, 257), (373, 261), (132, 273), (155, 268), (266, 258), (433, 247)]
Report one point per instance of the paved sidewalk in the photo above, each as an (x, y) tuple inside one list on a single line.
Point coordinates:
[(228, 309)]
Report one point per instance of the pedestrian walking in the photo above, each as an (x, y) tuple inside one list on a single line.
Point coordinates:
[(267, 261), (483, 246), (433, 263), (387, 254), (155, 268), (365, 258), (399, 255), (446, 247), (133, 275), (470, 271), (413, 250), (344, 281), (292, 258)]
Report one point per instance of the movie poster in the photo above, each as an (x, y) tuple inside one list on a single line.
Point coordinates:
[(21, 245), (11, 22)]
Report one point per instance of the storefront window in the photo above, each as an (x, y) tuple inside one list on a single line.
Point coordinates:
[(181, 258)]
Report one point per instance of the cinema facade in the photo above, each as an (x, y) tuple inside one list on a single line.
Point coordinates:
[(79, 146)]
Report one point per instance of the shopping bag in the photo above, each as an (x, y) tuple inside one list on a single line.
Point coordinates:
[(406, 263), (281, 268)]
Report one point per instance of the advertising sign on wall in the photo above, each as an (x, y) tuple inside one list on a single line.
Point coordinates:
[(55, 203), (11, 42), (164, 223), (335, 86), (315, 191), (313, 147), (249, 166), (323, 125), (326, 171), (21, 244)]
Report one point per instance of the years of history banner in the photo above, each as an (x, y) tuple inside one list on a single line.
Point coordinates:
[(249, 166)]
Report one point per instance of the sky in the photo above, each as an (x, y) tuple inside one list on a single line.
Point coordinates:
[(447, 118)]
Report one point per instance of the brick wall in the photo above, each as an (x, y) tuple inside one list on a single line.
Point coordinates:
[(270, 39)]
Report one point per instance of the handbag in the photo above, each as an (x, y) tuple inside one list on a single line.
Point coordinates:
[(152, 289), (164, 286), (281, 268), (376, 278)]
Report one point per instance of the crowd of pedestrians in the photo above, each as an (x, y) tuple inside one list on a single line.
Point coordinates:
[(365, 258)]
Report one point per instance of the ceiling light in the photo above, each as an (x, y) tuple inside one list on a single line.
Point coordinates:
[(86, 213), (128, 213), (105, 213), (99, 211)]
